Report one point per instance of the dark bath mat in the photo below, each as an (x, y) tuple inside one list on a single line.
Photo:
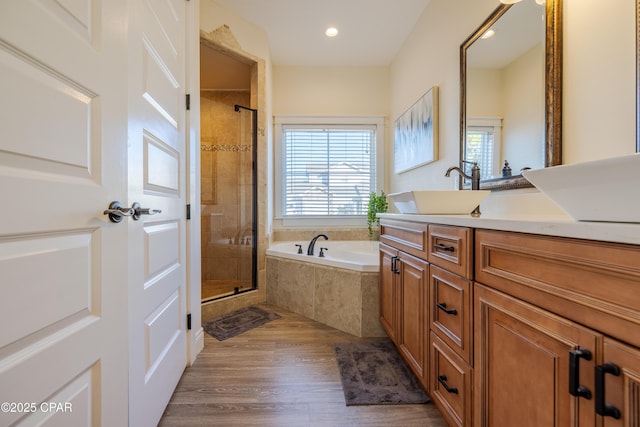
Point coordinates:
[(237, 322), (374, 373)]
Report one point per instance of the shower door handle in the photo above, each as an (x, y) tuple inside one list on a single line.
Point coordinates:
[(139, 211)]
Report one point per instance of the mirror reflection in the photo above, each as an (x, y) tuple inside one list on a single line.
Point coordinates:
[(505, 91), (511, 93)]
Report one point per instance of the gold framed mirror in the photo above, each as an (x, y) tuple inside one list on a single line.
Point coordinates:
[(535, 136)]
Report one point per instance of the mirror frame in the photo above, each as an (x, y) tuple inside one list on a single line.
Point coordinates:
[(553, 92)]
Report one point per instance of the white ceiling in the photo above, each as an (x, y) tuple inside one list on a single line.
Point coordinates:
[(371, 31)]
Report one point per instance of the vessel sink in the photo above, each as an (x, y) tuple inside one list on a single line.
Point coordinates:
[(602, 190), (438, 202)]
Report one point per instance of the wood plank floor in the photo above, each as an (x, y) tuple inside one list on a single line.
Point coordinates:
[(283, 373)]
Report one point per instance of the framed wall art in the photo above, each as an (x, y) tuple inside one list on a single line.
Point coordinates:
[(416, 133)]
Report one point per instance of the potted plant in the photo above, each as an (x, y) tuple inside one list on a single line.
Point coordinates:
[(377, 204)]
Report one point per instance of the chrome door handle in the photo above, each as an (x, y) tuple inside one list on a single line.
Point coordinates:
[(117, 211), (139, 211)]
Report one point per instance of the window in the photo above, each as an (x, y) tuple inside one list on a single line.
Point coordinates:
[(483, 145), (328, 166)]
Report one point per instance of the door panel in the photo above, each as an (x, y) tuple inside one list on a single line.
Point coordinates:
[(63, 275), (412, 339), (388, 291), (62, 160), (156, 180)]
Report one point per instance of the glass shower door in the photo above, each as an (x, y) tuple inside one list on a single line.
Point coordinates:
[(228, 196)]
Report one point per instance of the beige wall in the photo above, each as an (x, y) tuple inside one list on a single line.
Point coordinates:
[(599, 82), (331, 91)]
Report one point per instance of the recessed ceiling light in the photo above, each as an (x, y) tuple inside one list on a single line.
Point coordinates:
[(488, 34), (331, 32)]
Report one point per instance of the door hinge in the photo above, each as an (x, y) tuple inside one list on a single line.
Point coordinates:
[(189, 321), (188, 211), (188, 101)]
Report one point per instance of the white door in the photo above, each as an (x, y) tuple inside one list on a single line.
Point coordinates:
[(63, 265), (157, 302)]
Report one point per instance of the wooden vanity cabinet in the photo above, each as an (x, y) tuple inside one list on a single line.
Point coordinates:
[(512, 329), (404, 281), (556, 331)]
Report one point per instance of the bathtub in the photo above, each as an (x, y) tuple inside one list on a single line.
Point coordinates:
[(356, 255), (340, 290)]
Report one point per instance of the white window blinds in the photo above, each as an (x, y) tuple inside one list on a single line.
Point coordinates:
[(327, 170), (480, 147)]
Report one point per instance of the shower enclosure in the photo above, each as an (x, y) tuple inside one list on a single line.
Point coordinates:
[(228, 194)]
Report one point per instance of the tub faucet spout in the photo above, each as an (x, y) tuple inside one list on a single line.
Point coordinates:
[(312, 243)]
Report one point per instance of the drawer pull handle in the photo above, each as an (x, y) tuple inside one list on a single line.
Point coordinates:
[(444, 248), (602, 408), (575, 388), (394, 265), (442, 306), (442, 379)]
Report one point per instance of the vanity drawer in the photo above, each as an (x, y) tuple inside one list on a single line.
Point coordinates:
[(451, 248), (450, 383), (450, 311), (593, 283), (406, 236)]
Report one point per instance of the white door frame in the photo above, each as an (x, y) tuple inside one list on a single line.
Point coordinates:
[(195, 335)]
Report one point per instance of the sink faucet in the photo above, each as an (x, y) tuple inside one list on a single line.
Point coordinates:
[(475, 174), (475, 180), (312, 243)]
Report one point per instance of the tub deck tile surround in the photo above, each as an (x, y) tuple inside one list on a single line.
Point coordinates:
[(343, 299), (294, 285)]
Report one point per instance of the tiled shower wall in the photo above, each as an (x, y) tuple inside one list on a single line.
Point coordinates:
[(226, 187)]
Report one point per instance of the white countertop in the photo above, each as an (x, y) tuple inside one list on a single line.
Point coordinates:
[(552, 225)]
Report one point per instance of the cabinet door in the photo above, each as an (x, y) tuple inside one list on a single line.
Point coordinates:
[(388, 291), (412, 336), (620, 391), (522, 365)]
